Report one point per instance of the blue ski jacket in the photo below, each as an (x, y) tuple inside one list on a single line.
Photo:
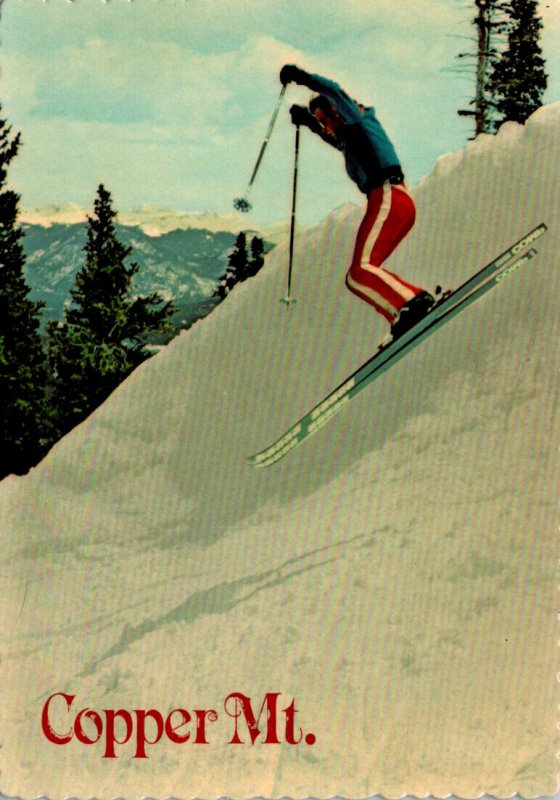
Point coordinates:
[(368, 152)]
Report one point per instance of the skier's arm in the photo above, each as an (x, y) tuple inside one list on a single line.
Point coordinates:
[(302, 116), (347, 108)]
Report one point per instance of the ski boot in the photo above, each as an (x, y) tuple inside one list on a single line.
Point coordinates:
[(412, 312)]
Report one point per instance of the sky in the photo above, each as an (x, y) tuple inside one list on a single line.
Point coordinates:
[(167, 101)]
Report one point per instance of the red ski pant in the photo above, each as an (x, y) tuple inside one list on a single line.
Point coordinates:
[(389, 216)]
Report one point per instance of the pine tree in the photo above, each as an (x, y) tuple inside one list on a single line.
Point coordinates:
[(237, 267), (257, 256), (518, 79), (103, 336), (487, 21), (23, 370), (510, 75), (243, 263)]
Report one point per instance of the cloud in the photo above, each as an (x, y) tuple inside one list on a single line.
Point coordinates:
[(19, 83), (152, 82)]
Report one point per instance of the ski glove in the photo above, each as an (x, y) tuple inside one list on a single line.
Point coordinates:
[(302, 116), (290, 73)]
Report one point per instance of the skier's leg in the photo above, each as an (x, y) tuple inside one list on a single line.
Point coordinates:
[(397, 224), (390, 214)]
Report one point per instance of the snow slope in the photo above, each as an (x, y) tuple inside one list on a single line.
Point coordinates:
[(396, 575)]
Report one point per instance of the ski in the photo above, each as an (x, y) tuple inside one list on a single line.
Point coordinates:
[(475, 287)]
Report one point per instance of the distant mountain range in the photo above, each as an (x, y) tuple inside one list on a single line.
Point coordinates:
[(155, 221), (181, 264)]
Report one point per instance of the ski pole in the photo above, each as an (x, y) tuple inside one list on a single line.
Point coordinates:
[(241, 203), (288, 299)]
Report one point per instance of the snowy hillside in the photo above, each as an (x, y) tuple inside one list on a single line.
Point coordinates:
[(396, 575)]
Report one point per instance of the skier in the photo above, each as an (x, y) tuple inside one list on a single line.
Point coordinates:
[(371, 162)]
